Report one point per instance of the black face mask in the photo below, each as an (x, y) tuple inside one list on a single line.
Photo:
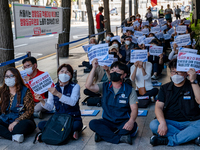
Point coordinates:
[(113, 53), (115, 77)]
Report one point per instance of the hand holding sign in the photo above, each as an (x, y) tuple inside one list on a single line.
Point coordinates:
[(53, 91), (95, 63), (192, 74), (38, 97)]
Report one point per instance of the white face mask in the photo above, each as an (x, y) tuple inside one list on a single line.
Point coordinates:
[(116, 45), (108, 38), (177, 78), (127, 42), (29, 71), (10, 82), (64, 77)]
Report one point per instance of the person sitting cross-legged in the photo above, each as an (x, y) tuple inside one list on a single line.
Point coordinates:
[(119, 103), (177, 110)]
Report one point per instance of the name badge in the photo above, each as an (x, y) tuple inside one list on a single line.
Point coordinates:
[(187, 97), (122, 101)]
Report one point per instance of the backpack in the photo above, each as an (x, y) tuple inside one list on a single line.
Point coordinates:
[(57, 129)]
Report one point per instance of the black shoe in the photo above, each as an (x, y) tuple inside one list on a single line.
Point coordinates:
[(197, 141), (155, 140), (87, 70), (97, 138), (126, 139)]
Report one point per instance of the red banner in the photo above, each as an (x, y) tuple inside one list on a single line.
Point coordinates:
[(153, 3)]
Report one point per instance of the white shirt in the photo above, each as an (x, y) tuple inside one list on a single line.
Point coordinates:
[(72, 100), (172, 56), (139, 79)]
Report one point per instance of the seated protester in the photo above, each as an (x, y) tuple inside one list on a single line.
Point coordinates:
[(30, 66), (138, 16), (65, 97), (155, 23), (177, 110), (93, 40), (141, 75), (119, 103), (130, 21), (17, 107), (174, 52), (115, 51), (109, 36)]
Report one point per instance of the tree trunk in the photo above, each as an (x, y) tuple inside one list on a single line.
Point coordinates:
[(65, 36), (90, 17), (48, 2), (123, 11), (6, 37), (136, 6), (107, 15)]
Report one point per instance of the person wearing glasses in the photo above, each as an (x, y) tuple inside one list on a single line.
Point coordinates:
[(17, 107), (177, 110), (30, 66)]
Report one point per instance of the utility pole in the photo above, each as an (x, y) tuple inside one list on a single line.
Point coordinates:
[(130, 8)]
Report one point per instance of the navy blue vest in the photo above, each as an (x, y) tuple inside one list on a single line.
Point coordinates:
[(116, 107), (65, 108)]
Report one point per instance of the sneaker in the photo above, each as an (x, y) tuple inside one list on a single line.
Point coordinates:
[(75, 135), (155, 140), (126, 139), (97, 138), (197, 141), (37, 114), (154, 77), (18, 138)]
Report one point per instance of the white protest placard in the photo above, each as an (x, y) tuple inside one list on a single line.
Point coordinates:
[(148, 40), (174, 23), (41, 83), (155, 50), (163, 28), (159, 35), (155, 29), (167, 36), (144, 23), (134, 39), (23, 74), (85, 47), (145, 31), (116, 38), (141, 40), (188, 50), (185, 61), (99, 51), (171, 31), (179, 21), (138, 33), (107, 62), (194, 42), (31, 20), (136, 24), (139, 55), (161, 20), (181, 29), (182, 40), (187, 22)]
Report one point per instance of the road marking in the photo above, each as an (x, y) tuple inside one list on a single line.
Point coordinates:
[(79, 36), (40, 37), (21, 45)]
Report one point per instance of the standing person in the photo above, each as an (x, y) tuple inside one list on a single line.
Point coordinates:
[(178, 13), (100, 24), (182, 10), (161, 13), (149, 15), (168, 13), (17, 107)]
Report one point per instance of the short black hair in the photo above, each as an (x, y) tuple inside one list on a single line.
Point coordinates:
[(101, 9), (120, 65), (33, 60), (111, 34), (172, 64)]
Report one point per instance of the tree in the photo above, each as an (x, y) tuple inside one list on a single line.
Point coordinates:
[(6, 37), (123, 10), (107, 15), (64, 37), (90, 17)]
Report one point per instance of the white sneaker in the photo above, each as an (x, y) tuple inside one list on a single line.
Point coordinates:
[(154, 77), (18, 138)]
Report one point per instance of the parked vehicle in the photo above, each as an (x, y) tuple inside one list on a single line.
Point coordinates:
[(113, 11)]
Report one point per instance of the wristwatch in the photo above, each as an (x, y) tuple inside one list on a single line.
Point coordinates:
[(194, 82)]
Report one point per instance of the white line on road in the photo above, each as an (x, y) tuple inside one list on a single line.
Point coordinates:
[(21, 45), (79, 36)]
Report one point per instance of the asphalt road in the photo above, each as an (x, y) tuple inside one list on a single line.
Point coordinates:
[(44, 45)]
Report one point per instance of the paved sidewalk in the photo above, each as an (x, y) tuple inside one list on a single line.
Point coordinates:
[(86, 140)]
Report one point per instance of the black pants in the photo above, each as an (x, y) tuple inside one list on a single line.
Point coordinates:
[(106, 130), (149, 19), (149, 93), (178, 16), (23, 127), (87, 64), (101, 36), (90, 93)]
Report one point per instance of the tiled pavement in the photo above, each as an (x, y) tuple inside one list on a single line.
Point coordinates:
[(86, 140)]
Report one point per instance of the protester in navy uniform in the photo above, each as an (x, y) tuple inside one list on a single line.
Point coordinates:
[(119, 103), (177, 109), (65, 97)]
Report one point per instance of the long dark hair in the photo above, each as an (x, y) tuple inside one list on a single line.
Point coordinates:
[(5, 92)]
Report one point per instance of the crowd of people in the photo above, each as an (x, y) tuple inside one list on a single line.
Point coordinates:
[(177, 107)]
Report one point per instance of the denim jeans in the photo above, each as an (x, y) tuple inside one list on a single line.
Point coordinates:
[(178, 132)]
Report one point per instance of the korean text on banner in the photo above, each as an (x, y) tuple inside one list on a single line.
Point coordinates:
[(171, 31), (31, 20), (139, 55), (41, 83), (99, 51), (181, 29), (155, 50), (141, 40), (148, 40), (155, 29), (161, 20), (144, 23), (187, 22), (188, 50), (182, 40), (85, 47), (145, 31), (134, 39), (167, 36), (163, 28), (107, 62), (159, 35), (23, 74), (138, 33), (185, 61), (174, 23)]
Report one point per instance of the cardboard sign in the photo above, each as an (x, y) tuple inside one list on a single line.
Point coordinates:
[(116, 38), (174, 23), (182, 40), (85, 47), (141, 40), (155, 29), (161, 20), (167, 36), (127, 28), (145, 31), (41, 83), (139, 55), (187, 22), (136, 24), (99, 51), (181, 29), (155, 50), (163, 28), (159, 35), (148, 40), (188, 50), (185, 61), (171, 31), (138, 33)]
